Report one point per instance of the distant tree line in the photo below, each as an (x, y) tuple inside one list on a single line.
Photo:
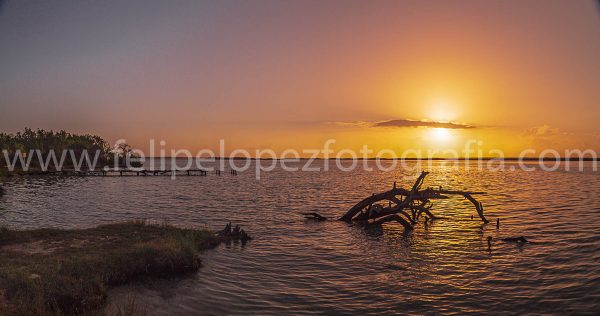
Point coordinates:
[(29, 141)]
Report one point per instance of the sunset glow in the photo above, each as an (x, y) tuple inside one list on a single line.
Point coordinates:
[(269, 157), (195, 73), (441, 134), (443, 111)]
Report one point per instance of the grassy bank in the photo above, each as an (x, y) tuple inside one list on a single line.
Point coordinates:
[(51, 271)]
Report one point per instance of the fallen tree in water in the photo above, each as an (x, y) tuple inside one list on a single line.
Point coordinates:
[(404, 206)]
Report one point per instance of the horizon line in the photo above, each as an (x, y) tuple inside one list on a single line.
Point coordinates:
[(408, 158)]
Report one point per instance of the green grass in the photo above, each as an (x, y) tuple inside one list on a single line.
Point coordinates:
[(51, 271)]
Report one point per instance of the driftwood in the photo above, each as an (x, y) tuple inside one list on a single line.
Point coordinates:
[(405, 206), (518, 240), (236, 233), (315, 216)]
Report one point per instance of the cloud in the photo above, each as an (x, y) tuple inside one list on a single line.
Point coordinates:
[(353, 123), (548, 137), (398, 123), (414, 123), (544, 131)]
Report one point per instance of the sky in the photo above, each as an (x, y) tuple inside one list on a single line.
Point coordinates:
[(399, 75)]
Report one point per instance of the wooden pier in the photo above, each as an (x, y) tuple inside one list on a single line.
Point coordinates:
[(126, 172)]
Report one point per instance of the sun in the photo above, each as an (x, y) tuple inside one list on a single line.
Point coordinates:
[(441, 134)]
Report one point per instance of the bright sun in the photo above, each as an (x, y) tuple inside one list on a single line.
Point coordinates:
[(441, 134)]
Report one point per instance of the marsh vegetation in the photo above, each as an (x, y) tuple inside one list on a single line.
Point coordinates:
[(54, 271)]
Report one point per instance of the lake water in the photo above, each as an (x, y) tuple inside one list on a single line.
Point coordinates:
[(300, 267)]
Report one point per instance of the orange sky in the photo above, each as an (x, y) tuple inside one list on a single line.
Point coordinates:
[(280, 75)]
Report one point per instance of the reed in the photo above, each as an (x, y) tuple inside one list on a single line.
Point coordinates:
[(54, 271)]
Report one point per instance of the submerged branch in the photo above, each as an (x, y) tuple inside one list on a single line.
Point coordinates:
[(400, 201)]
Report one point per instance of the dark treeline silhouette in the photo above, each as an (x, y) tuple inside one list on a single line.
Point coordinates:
[(27, 142)]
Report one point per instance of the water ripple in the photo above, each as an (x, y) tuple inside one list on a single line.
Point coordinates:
[(299, 267)]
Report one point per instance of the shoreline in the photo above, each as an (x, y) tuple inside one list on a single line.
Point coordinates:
[(56, 271)]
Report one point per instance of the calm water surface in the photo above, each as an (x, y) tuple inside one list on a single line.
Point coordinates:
[(300, 267)]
